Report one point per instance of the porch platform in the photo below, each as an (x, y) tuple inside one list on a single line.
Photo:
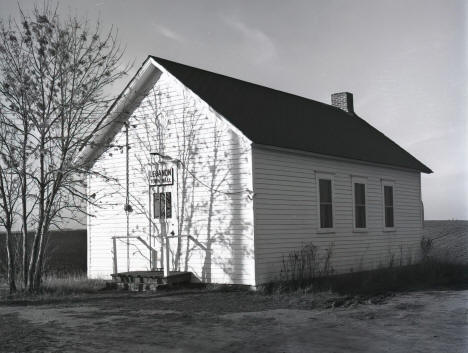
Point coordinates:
[(148, 280)]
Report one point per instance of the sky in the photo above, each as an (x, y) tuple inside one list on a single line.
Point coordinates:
[(404, 61)]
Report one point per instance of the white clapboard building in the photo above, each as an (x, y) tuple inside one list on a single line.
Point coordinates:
[(199, 172)]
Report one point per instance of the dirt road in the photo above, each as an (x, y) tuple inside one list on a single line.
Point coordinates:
[(238, 322)]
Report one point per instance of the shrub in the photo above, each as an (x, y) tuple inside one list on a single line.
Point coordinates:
[(300, 267), (426, 247)]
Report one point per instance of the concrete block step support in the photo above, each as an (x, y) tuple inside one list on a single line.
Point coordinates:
[(140, 281)]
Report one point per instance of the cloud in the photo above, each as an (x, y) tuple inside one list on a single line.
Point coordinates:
[(255, 42), (169, 33)]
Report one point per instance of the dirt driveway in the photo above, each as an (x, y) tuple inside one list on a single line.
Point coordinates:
[(238, 322)]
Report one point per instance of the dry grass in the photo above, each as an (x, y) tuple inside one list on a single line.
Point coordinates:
[(308, 270), (57, 286), (71, 284), (304, 265), (304, 271), (426, 275)]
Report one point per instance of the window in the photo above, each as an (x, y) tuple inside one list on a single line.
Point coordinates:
[(325, 203), (162, 205), (388, 206), (360, 219)]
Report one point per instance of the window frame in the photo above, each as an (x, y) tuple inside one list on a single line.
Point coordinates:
[(158, 203), (162, 195), (386, 182), (360, 180), (331, 177)]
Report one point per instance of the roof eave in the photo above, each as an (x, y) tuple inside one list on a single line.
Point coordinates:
[(423, 169), (119, 112)]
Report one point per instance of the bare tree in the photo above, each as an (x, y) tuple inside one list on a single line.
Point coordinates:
[(53, 76)]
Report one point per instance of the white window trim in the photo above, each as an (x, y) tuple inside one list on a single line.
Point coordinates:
[(328, 176), (360, 180), (392, 184)]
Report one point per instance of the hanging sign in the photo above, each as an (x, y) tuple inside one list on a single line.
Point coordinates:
[(161, 175)]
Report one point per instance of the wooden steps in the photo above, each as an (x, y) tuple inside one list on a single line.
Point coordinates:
[(141, 281)]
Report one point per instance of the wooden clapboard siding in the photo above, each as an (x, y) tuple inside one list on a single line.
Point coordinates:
[(286, 217), (234, 189), (219, 164)]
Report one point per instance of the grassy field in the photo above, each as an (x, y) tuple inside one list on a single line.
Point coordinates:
[(450, 239), (67, 251)]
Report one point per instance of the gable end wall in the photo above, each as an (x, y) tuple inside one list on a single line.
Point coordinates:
[(218, 207)]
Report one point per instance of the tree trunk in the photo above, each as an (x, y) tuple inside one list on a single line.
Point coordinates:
[(33, 258), (37, 277), (24, 206), (24, 259), (40, 257), (10, 262), (35, 251), (7, 211)]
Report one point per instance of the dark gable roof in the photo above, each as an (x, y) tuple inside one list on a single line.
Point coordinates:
[(271, 117)]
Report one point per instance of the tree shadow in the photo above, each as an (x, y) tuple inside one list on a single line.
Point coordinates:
[(212, 192)]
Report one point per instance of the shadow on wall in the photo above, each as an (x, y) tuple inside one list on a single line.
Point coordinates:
[(210, 191), (226, 184)]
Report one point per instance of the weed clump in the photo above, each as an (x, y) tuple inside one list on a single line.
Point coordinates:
[(306, 270)]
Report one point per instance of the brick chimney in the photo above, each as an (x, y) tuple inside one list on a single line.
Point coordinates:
[(344, 101)]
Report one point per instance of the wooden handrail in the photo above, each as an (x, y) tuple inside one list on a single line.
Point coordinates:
[(151, 249), (140, 239), (192, 238), (155, 252)]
